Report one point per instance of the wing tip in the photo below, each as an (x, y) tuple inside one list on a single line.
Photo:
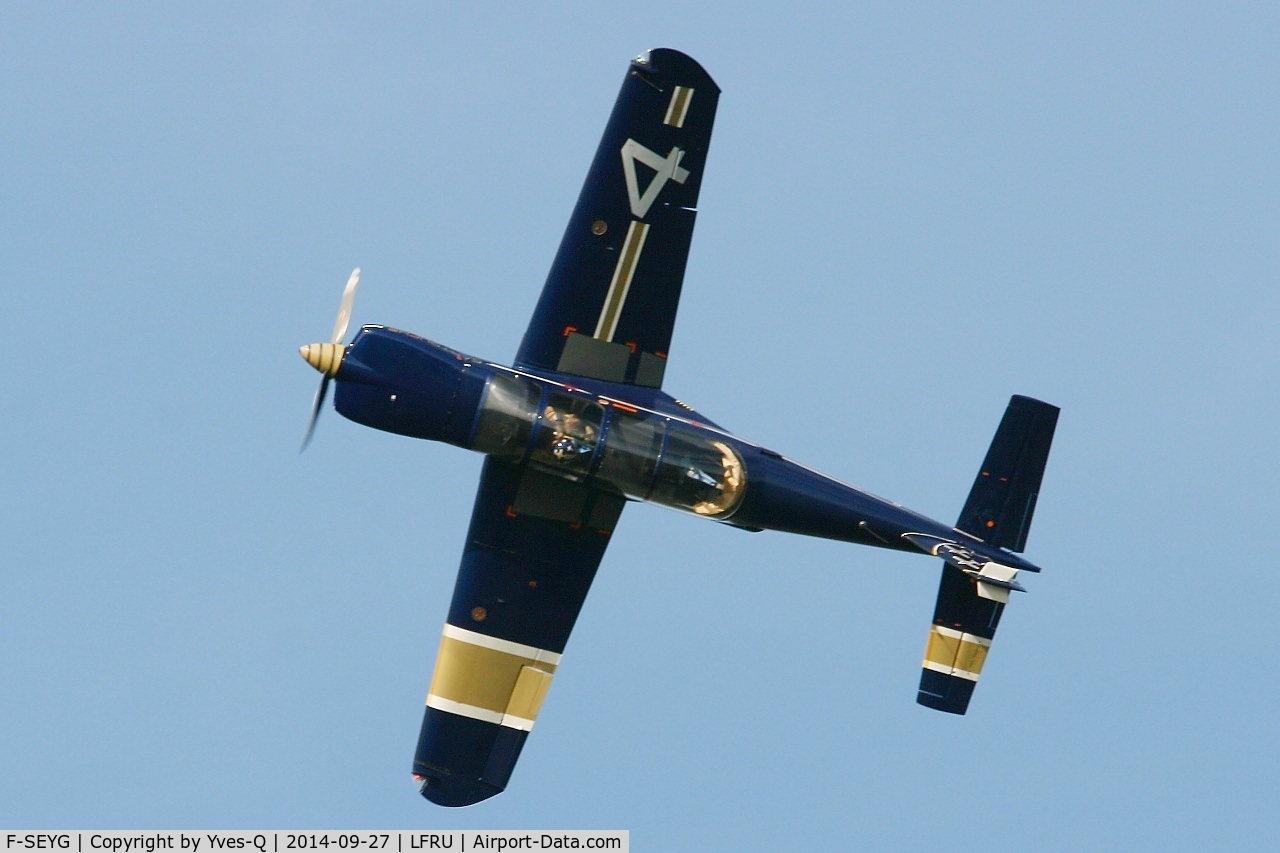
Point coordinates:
[(666, 60), (453, 790)]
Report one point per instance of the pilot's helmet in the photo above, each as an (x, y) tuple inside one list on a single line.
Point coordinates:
[(564, 448)]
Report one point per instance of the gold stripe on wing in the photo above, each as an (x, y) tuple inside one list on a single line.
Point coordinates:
[(526, 698), (621, 283), (679, 106), (490, 684)]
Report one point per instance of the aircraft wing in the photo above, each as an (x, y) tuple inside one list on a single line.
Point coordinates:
[(609, 303), (531, 553)]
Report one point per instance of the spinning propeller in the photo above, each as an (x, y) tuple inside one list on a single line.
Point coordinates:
[(326, 358)]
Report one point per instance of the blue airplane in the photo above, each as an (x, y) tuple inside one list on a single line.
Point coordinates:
[(580, 425)]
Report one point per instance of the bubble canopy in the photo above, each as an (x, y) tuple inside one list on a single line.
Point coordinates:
[(638, 454)]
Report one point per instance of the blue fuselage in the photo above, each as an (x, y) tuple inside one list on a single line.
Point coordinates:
[(637, 442)]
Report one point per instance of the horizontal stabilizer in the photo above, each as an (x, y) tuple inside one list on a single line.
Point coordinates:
[(964, 624), (1003, 497), (975, 589)]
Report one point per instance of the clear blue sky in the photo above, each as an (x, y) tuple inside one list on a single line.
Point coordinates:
[(910, 212)]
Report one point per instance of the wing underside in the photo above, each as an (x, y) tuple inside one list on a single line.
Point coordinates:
[(609, 304), (532, 550), (606, 312)]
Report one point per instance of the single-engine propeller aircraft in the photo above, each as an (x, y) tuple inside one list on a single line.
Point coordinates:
[(580, 425)]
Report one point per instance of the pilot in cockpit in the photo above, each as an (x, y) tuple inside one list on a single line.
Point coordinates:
[(572, 437)]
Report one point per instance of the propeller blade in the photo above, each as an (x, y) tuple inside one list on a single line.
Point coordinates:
[(344, 311), (321, 392), (327, 357)]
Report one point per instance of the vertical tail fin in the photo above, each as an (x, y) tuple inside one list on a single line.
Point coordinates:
[(998, 511)]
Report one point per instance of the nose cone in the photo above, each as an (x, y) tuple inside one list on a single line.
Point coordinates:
[(325, 358)]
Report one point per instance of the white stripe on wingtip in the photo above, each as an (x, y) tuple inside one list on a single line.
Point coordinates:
[(497, 644), (484, 715)]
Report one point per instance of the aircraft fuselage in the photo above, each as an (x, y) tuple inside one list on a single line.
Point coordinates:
[(639, 443)]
